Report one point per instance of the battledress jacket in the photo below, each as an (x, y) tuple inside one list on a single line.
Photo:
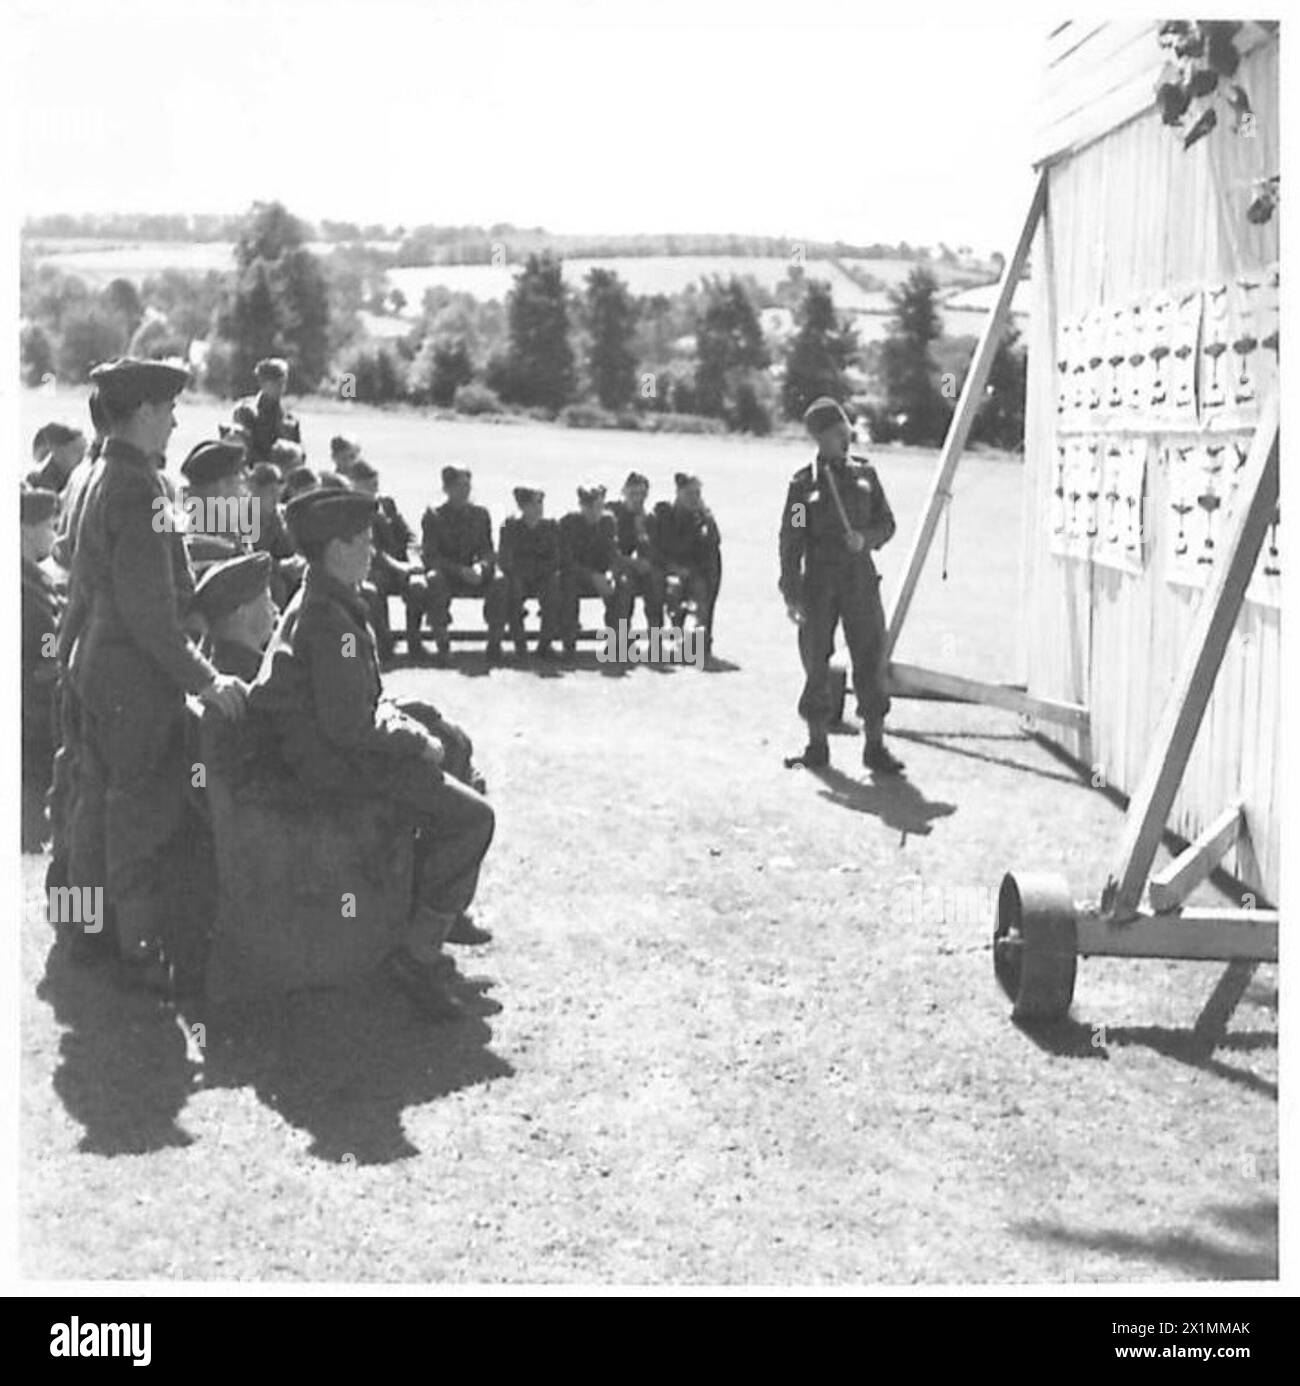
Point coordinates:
[(130, 590), (812, 545), (318, 696)]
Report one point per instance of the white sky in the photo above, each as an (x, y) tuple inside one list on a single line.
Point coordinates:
[(797, 118)]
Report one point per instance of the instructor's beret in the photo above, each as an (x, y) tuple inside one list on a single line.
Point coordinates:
[(36, 505), (328, 513), (212, 460), (225, 587), (453, 474), (823, 412), (122, 385), (524, 494)]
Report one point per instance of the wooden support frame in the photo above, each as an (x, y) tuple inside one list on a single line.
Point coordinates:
[(1215, 618), (972, 396), (1206, 935), (912, 681), (1170, 887)]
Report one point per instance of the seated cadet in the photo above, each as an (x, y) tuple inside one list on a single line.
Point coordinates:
[(529, 560), (344, 451), (590, 564), (285, 456), (287, 564), (393, 573), (641, 565), (234, 599), (42, 604), (213, 499), (296, 482), (690, 546), (457, 551), (319, 695), (56, 449), (263, 416)]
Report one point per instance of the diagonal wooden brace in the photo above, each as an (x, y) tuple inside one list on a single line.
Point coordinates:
[(972, 396), (1215, 618)]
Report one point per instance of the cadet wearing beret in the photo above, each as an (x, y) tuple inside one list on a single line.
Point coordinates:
[(590, 564), (393, 571), (131, 663), (344, 451), (58, 449), (320, 696), (690, 547), (641, 561), (263, 416), (214, 488), (835, 515), (457, 551), (234, 598), (42, 604), (529, 559), (265, 483)]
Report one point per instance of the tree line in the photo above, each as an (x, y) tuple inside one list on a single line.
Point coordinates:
[(596, 355)]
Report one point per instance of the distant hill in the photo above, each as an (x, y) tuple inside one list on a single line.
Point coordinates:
[(466, 245)]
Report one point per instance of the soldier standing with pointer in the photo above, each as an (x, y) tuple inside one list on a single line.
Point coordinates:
[(835, 515)]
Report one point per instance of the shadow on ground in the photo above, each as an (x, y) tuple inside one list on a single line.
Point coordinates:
[(895, 800), (341, 1065), (1185, 1252), (1073, 1039)]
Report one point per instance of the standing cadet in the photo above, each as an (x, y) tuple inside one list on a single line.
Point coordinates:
[(262, 416), (529, 559), (457, 551), (641, 563), (393, 572), (835, 515), (690, 547), (320, 692), (131, 664), (590, 565), (42, 603)]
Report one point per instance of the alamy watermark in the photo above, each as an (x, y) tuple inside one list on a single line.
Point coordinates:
[(669, 645), (223, 515)]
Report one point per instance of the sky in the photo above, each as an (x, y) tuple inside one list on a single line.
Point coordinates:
[(799, 119)]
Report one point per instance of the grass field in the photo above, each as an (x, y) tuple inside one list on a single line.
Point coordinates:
[(735, 1044)]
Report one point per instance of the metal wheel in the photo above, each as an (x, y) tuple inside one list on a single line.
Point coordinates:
[(1035, 944)]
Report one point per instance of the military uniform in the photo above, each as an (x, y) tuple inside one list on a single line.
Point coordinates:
[(264, 421), (690, 546), (530, 567), (456, 536), (130, 669), (319, 696), (836, 586), (393, 574), (641, 561), (587, 551), (42, 604)]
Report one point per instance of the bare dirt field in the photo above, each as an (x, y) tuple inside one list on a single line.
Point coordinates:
[(750, 1031)]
